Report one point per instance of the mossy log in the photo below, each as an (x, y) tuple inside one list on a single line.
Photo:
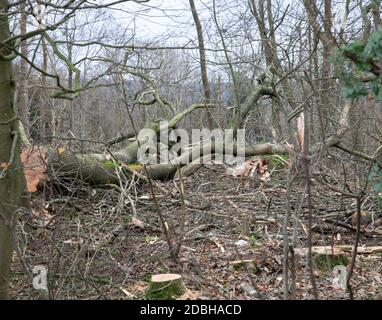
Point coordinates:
[(165, 287), (101, 169), (105, 169)]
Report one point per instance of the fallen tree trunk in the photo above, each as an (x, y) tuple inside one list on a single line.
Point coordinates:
[(336, 250), (103, 169), (109, 169)]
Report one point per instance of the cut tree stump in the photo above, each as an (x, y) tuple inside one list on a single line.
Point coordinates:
[(165, 287)]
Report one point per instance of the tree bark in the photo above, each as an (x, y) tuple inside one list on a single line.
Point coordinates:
[(203, 66), (268, 43), (101, 169), (45, 115), (250, 102), (23, 95), (326, 70), (11, 177), (165, 287)]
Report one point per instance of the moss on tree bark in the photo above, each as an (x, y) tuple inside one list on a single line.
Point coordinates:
[(11, 175), (165, 287)]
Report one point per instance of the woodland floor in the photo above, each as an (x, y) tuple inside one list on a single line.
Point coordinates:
[(94, 249)]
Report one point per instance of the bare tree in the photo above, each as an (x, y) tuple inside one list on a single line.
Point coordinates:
[(203, 66)]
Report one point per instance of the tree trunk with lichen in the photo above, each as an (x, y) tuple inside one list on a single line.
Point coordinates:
[(101, 169), (110, 168), (203, 65), (11, 177), (23, 95)]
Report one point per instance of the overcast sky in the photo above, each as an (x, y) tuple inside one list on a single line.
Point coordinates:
[(159, 17)]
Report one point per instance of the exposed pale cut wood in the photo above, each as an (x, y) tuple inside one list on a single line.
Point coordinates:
[(165, 286), (165, 277), (35, 167), (244, 261)]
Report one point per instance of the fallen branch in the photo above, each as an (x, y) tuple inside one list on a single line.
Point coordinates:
[(336, 250)]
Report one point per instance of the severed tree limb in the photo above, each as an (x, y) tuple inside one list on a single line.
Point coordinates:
[(101, 169), (338, 250)]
